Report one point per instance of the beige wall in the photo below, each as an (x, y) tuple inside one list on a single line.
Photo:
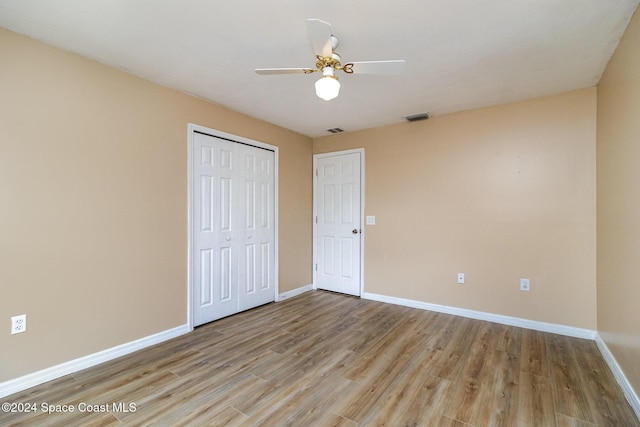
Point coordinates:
[(497, 193), (93, 203), (618, 156)]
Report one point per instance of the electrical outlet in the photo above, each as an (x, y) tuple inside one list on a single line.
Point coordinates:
[(19, 324), (525, 285), (460, 278)]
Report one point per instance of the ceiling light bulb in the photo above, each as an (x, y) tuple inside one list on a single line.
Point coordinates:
[(327, 87)]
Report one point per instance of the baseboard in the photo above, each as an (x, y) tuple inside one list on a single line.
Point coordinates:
[(295, 292), (489, 317), (618, 373), (22, 383)]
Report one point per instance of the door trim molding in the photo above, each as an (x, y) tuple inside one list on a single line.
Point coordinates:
[(192, 129), (315, 210)]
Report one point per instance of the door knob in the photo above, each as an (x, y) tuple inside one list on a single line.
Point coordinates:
[(355, 231)]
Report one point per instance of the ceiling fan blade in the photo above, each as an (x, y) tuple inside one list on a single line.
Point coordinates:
[(320, 37), (378, 67), (268, 71)]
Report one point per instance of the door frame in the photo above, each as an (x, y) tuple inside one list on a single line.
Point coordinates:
[(192, 129), (315, 211)]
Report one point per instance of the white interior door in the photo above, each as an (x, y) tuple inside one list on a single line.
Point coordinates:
[(338, 237), (233, 205), (256, 265)]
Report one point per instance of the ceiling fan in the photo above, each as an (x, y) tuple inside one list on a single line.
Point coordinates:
[(328, 62)]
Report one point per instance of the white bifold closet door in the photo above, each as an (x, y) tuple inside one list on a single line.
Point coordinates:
[(234, 227)]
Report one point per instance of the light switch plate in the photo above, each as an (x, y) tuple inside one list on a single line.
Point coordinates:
[(371, 220)]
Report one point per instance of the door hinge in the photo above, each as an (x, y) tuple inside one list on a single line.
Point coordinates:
[(316, 172), (316, 219), (316, 266)]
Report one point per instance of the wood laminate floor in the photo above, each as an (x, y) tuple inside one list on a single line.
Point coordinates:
[(323, 359)]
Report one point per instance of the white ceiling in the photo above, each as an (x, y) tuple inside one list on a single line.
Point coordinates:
[(460, 54)]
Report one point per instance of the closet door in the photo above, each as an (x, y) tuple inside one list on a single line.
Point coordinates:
[(233, 211), (256, 266)]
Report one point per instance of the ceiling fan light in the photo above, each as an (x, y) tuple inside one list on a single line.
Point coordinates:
[(327, 87)]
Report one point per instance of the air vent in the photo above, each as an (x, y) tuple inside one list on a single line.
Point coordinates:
[(335, 130), (416, 117)]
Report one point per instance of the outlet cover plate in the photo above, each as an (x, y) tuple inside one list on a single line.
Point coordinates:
[(525, 285), (461, 278), (19, 324)]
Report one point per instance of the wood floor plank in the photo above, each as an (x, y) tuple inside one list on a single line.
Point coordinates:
[(570, 395), (534, 358), (56, 387), (201, 336), (535, 401), (303, 404), (509, 339), (292, 371), (487, 390), (607, 402), (66, 419), (442, 329), (317, 334), (324, 359), (566, 421), (418, 399), (332, 420), (279, 375), (501, 399), (384, 320), (187, 401), (378, 383), (213, 388), (387, 347), (460, 336), (227, 417), (138, 383), (320, 399), (448, 422)]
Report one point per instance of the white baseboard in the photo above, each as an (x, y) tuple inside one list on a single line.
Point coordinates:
[(295, 292), (22, 383), (489, 317), (618, 373)]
